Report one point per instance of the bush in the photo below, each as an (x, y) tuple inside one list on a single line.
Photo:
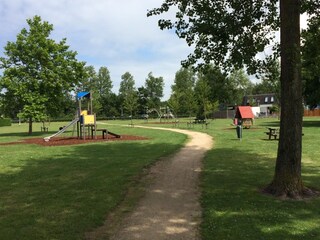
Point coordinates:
[(5, 122)]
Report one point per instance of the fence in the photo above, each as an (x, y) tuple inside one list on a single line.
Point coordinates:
[(312, 113)]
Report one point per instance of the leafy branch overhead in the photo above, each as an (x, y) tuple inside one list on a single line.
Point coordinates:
[(227, 32)]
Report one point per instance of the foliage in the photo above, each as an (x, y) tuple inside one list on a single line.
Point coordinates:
[(38, 71), (110, 105), (202, 91), (86, 84), (5, 122), (103, 84), (142, 100), (100, 85), (174, 103), (127, 84), (131, 102), (182, 98), (270, 81), (10, 103), (235, 31), (240, 85), (154, 87), (311, 62), (128, 93)]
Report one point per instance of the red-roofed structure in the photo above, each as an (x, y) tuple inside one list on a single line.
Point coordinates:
[(246, 115)]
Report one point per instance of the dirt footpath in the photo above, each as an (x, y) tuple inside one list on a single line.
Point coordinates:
[(170, 208)]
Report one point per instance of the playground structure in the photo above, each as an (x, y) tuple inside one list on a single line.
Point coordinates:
[(163, 113), (84, 121)]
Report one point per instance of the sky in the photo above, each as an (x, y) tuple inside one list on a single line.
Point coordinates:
[(115, 34)]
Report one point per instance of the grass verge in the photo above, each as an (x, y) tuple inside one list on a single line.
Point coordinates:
[(234, 171)]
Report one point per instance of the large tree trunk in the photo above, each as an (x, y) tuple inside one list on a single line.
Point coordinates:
[(287, 180)]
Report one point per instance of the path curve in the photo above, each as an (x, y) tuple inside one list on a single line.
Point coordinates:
[(171, 209)]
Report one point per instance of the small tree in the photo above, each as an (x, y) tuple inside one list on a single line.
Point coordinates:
[(174, 103), (128, 93), (154, 87), (131, 102), (202, 93), (183, 91)]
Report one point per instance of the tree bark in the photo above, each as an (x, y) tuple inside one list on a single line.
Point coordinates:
[(287, 180)]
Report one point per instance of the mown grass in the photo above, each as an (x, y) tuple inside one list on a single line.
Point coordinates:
[(63, 192), (235, 171)]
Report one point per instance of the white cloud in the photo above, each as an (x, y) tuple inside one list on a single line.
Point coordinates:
[(112, 33)]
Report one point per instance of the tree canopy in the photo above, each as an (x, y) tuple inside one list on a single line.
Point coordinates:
[(228, 33), (311, 62), (182, 98), (154, 86)]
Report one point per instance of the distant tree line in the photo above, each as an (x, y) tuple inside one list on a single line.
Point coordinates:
[(41, 76)]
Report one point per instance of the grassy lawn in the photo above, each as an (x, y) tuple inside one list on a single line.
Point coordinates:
[(64, 192), (234, 172)]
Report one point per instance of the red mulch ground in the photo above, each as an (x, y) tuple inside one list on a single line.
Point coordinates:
[(60, 141)]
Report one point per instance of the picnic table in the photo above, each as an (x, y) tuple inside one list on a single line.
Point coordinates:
[(203, 123), (273, 132)]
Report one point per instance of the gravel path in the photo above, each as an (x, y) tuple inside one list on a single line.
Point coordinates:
[(170, 208)]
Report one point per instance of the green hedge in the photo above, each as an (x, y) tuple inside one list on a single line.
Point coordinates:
[(5, 122)]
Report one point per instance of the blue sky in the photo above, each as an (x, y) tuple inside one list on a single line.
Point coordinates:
[(111, 33), (116, 34)]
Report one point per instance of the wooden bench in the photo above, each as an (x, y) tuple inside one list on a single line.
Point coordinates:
[(103, 130)]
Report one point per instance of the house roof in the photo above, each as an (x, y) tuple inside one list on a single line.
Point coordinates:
[(259, 99), (244, 112)]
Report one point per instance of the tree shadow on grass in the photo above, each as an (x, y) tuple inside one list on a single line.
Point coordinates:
[(70, 191), (306, 123), (270, 124), (313, 123), (234, 208), (25, 134)]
